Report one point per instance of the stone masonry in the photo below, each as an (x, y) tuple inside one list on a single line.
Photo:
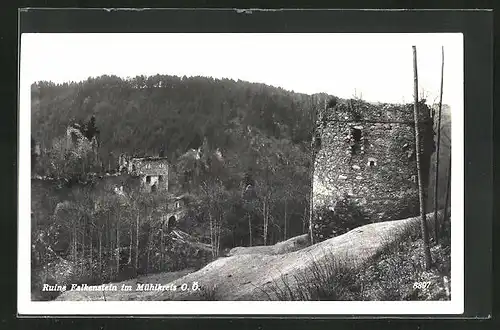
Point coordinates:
[(365, 153), (153, 171)]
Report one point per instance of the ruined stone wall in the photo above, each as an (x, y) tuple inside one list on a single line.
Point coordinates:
[(153, 172), (150, 173), (365, 155)]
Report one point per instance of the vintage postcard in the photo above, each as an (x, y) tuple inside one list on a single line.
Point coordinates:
[(251, 173)]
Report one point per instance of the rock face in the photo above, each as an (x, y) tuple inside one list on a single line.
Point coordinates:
[(365, 157), (78, 141)]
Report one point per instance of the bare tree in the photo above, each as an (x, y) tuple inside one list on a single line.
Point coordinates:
[(212, 231), (215, 201), (136, 261), (117, 249), (265, 215), (91, 238), (162, 244), (111, 245), (100, 250), (286, 220), (249, 228)]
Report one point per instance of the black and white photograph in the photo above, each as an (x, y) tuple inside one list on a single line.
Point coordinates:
[(219, 173)]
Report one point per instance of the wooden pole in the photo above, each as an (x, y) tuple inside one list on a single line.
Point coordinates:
[(285, 219), (249, 228), (313, 157), (425, 234), (447, 193), (436, 178)]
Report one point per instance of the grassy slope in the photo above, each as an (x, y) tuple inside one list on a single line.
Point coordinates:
[(393, 275), (255, 276)]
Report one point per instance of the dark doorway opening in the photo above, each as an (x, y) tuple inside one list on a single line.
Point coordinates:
[(356, 135), (372, 162), (171, 222)]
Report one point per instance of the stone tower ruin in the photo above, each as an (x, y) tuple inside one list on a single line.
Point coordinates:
[(365, 158)]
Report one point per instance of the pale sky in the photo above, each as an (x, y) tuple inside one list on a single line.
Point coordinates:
[(375, 67)]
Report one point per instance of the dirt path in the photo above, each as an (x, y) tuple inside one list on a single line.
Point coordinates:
[(245, 276)]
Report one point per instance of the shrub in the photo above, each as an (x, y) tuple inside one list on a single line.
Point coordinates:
[(209, 293), (346, 216), (322, 280), (391, 276)]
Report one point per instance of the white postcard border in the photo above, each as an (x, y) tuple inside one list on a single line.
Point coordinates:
[(28, 307)]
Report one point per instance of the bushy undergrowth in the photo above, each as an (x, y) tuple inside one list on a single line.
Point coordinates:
[(209, 293), (346, 216), (57, 272), (396, 274), (328, 280)]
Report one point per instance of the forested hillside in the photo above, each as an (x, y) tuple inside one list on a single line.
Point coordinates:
[(144, 114), (263, 132), (252, 180)]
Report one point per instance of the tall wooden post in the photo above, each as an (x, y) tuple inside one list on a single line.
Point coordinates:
[(436, 178), (447, 193), (425, 234), (249, 228), (312, 155)]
